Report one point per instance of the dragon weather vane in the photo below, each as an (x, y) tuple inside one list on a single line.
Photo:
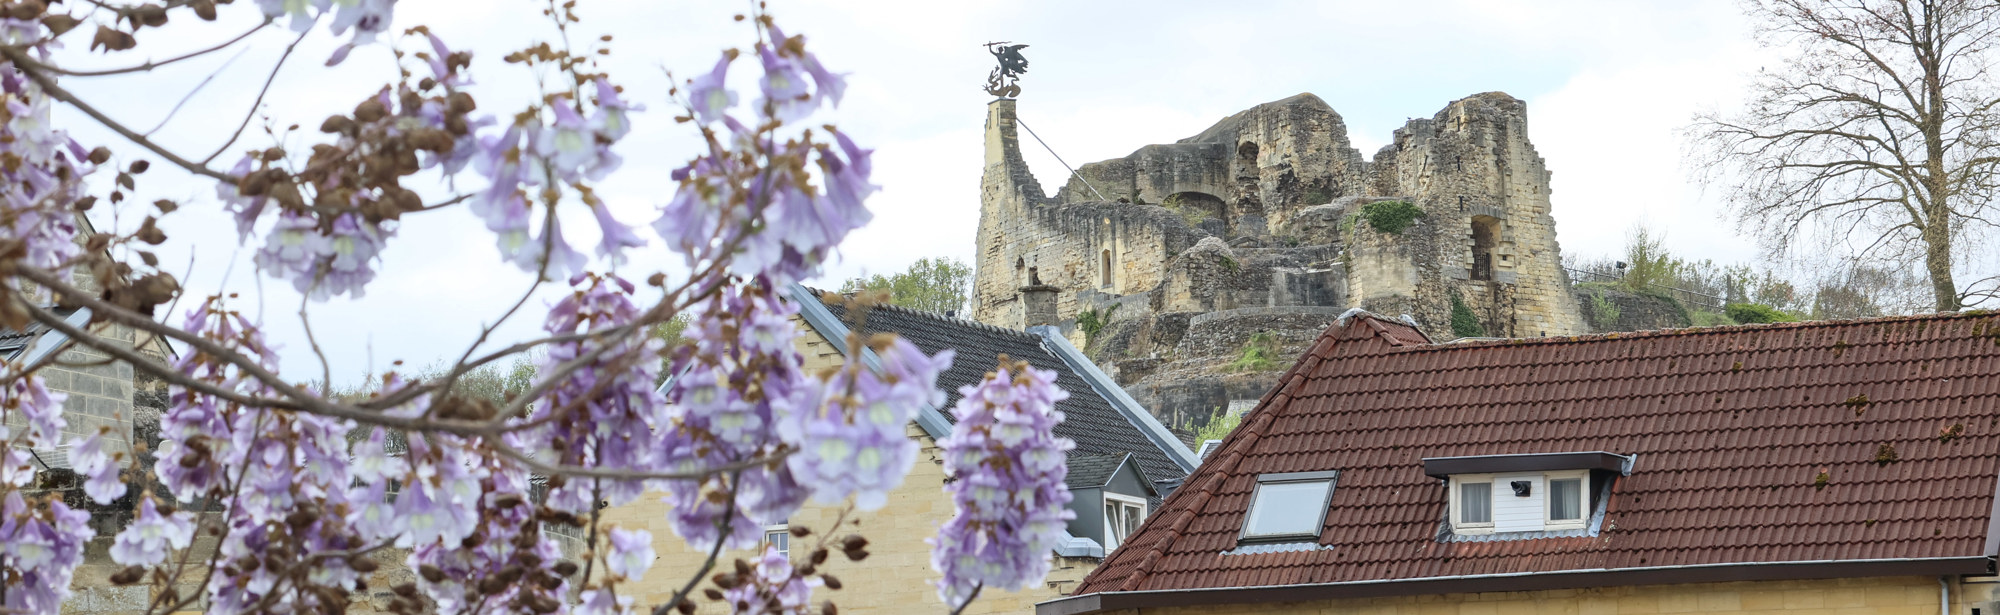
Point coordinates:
[(1004, 80)]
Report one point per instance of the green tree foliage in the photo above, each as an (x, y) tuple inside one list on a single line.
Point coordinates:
[(1218, 426), (1463, 322), (1817, 291), (930, 284)]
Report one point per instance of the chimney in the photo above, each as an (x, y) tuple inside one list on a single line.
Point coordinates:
[(1038, 301)]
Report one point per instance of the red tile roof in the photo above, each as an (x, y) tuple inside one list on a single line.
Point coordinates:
[(1731, 426)]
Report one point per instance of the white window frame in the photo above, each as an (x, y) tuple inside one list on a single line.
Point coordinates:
[(786, 528), (1111, 540), (1458, 525), (1582, 506)]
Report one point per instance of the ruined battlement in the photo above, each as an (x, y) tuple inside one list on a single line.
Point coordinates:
[(1273, 210)]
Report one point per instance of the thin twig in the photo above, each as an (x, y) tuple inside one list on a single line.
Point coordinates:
[(34, 70), (150, 65), (260, 98)]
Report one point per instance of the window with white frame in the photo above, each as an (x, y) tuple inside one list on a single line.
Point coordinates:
[(1519, 502), (1288, 506), (1566, 499), (1122, 515), (779, 536)]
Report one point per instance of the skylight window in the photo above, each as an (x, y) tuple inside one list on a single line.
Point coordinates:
[(1289, 506)]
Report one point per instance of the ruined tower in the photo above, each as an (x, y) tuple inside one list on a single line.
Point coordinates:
[(1263, 228)]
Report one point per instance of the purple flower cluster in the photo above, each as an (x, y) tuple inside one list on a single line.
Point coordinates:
[(1007, 468), (566, 148), (323, 264), (490, 551), (43, 173), (748, 202), (773, 587), (43, 546), (856, 442), (286, 475), (741, 376), (99, 469), (43, 549), (152, 536), (606, 413)]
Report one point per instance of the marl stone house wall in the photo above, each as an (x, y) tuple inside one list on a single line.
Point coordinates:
[(1255, 226)]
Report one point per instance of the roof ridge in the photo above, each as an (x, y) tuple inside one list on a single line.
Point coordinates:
[(927, 314), (1709, 330)]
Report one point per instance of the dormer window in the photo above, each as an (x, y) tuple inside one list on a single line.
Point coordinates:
[(1500, 494), (1122, 514), (1288, 507)]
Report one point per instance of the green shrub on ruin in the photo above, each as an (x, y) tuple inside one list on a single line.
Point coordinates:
[(1463, 322), (1391, 217), (1093, 322), (1259, 354)]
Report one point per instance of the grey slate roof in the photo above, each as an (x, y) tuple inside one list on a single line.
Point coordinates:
[(1097, 428), (1089, 471)]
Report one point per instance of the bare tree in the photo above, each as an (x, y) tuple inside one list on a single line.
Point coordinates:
[(1878, 133)]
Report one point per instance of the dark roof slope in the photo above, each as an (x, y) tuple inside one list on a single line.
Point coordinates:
[(1731, 427), (1090, 471), (1095, 426)]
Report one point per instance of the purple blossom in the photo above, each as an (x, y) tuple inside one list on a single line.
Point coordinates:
[(709, 94), (39, 407), (773, 588), (784, 82), (1008, 468), (602, 602), (856, 443), (616, 235), (99, 468), (151, 536), (368, 18), (631, 553)]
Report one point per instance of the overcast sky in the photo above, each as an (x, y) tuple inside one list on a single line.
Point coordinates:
[(1608, 84)]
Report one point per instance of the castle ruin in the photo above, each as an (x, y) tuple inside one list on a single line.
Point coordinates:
[(1264, 228)]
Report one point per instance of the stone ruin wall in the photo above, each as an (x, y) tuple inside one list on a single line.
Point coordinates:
[(1263, 237)]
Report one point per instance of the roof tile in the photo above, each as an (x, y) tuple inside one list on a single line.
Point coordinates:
[(1731, 427)]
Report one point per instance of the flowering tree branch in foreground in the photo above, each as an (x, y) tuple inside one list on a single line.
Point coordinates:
[(297, 487)]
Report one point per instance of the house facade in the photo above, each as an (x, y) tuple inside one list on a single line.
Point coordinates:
[(1822, 467), (1124, 464)]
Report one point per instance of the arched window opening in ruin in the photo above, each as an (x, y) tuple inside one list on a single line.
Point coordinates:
[(1107, 269), (1195, 207), (1485, 236), (1247, 151), (1020, 271)]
